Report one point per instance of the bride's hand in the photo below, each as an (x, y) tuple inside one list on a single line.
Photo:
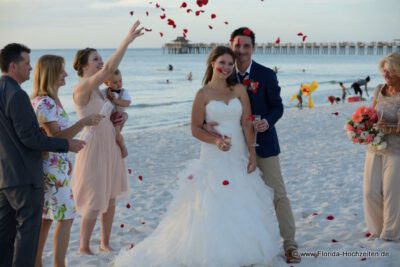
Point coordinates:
[(222, 144), (252, 165)]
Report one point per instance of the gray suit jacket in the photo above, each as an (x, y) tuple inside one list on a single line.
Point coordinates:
[(21, 141)]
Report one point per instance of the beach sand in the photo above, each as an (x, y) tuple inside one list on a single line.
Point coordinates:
[(322, 169)]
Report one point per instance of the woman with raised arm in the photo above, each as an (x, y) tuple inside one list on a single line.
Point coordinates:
[(99, 173)]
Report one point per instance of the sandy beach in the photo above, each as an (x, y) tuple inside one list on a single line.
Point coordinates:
[(322, 169)]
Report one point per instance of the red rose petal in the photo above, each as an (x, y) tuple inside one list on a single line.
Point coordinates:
[(188, 10), (143, 222), (190, 177), (247, 32), (183, 5), (129, 171), (147, 13), (147, 30), (334, 241), (225, 182), (162, 9), (246, 82), (226, 22), (315, 213), (128, 206), (330, 217), (161, 34), (213, 16), (335, 113), (367, 234), (210, 27), (163, 16), (300, 34), (363, 259), (304, 38), (122, 225), (140, 178), (278, 40), (157, 5), (251, 117), (204, 2), (131, 246), (131, 13)]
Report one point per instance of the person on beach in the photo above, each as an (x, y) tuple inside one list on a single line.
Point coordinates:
[(344, 91), (265, 99), (382, 167), (357, 86), (221, 202), (21, 166), (59, 206), (99, 175), (121, 99), (299, 97)]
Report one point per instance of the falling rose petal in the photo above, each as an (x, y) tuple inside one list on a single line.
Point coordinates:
[(210, 27), (122, 225), (161, 34), (368, 234), (251, 117), (197, 12), (334, 241), (300, 34), (183, 5), (246, 82), (129, 171), (131, 246), (147, 30), (213, 16), (184, 35), (363, 259), (140, 178), (335, 113), (131, 13), (205, 2), (219, 70), (163, 16), (147, 13), (278, 40), (128, 206), (190, 177), (314, 213), (225, 182), (247, 32), (304, 38), (163, 9), (157, 5), (188, 10), (226, 22), (199, 3), (185, 30), (150, 3), (330, 217), (143, 222)]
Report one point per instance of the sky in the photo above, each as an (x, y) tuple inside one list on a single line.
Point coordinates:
[(58, 24)]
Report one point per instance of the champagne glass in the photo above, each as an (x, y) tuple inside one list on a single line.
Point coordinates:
[(227, 137), (257, 118)]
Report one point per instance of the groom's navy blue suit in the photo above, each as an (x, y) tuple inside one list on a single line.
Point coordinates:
[(267, 103)]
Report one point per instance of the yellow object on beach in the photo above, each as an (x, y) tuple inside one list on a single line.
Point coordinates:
[(307, 90)]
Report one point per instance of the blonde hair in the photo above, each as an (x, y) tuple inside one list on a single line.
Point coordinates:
[(46, 75), (392, 61)]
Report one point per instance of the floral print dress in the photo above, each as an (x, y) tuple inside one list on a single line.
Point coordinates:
[(58, 201)]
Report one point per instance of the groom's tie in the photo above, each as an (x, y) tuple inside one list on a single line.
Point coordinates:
[(242, 76)]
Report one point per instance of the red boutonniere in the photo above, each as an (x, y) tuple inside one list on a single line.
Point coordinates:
[(251, 85)]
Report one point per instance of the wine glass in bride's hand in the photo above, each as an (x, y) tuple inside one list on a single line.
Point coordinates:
[(257, 118), (227, 139)]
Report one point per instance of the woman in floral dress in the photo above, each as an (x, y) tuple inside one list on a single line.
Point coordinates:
[(58, 206)]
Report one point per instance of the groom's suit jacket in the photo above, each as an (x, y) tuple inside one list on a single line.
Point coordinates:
[(266, 102), (21, 141)]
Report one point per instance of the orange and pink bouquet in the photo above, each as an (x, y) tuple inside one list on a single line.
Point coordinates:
[(361, 128)]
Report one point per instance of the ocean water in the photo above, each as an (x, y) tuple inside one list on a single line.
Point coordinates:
[(158, 104)]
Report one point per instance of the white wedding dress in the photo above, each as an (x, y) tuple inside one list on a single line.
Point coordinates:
[(220, 215)]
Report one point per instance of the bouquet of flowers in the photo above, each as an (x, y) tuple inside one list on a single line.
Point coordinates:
[(361, 128)]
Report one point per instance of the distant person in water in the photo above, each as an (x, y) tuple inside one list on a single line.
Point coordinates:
[(344, 91), (170, 67), (189, 76)]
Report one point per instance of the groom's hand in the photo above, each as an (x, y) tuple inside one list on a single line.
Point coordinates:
[(262, 126), (209, 128)]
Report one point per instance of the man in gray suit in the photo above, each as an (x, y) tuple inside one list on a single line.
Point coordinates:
[(21, 173)]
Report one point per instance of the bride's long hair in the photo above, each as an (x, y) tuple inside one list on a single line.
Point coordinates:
[(214, 54)]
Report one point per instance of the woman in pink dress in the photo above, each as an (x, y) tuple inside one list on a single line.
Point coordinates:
[(99, 175)]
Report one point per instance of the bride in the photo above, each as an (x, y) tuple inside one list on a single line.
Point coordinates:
[(222, 214)]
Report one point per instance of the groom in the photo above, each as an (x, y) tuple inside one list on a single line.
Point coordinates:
[(264, 94)]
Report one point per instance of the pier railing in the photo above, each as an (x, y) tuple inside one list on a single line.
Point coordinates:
[(333, 48)]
